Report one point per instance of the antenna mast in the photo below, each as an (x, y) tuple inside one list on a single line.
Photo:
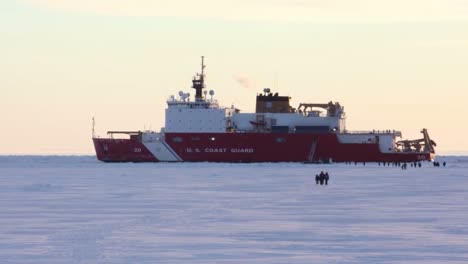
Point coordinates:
[(202, 65), (93, 128), (199, 83)]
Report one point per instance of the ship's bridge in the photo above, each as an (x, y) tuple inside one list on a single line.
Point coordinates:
[(203, 115)]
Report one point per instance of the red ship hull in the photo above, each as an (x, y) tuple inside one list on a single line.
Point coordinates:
[(122, 150), (252, 147)]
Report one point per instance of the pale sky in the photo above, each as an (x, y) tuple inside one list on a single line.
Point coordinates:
[(393, 64)]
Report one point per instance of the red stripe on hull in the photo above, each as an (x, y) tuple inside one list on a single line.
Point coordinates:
[(262, 147), (122, 150), (240, 147)]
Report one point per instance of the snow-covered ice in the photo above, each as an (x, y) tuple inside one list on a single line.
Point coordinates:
[(57, 209)]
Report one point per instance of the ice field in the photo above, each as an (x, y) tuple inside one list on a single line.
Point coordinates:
[(57, 209)]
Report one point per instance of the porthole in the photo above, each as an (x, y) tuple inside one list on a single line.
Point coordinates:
[(177, 139), (280, 140)]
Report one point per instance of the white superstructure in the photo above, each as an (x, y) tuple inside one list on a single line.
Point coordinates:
[(201, 116)]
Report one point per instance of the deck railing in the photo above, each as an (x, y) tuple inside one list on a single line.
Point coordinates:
[(388, 131)]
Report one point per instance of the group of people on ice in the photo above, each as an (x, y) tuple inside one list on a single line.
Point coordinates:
[(322, 178), (437, 164)]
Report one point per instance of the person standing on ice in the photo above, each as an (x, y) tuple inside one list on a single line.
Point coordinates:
[(322, 177), (317, 179), (327, 177), (404, 166)]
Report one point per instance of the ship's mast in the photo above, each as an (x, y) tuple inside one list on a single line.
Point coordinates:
[(94, 134), (199, 83)]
